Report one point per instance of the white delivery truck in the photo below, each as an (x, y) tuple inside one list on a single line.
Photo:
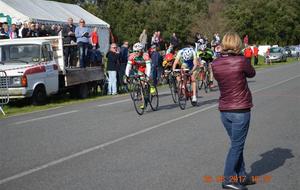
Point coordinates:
[(35, 69)]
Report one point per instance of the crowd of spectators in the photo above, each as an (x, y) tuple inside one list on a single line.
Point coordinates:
[(75, 39), (27, 30)]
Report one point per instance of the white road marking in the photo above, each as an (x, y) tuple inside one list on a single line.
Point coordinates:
[(112, 103), (72, 156), (276, 84), (126, 100), (46, 117)]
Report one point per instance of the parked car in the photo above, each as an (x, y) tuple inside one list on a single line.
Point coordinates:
[(294, 51), (277, 54), (288, 51)]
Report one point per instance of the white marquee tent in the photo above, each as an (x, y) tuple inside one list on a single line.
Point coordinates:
[(50, 12)]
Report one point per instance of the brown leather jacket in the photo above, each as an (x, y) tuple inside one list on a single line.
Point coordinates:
[(231, 72)]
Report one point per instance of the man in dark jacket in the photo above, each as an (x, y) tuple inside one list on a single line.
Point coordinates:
[(112, 66), (123, 62), (68, 33), (156, 65)]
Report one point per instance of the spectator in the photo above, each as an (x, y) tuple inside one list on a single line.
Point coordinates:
[(112, 65), (246, 41), (68, 33), (268, 56), (95, 38), (255, 53), (14, 34), (156, 62), (20, 26), (4, 33), (43, 32), (25, 30), (37, 29), (123, 61), (155, 39), (32, 31), (160, 41), (248, 54), (82, 33), (52, 30), (58, 30), (143, 39), (174, 40), (235, 102)]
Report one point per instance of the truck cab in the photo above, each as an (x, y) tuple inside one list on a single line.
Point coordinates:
[(30, 67)]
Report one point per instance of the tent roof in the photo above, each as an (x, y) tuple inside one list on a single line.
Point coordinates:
[(47, 11)]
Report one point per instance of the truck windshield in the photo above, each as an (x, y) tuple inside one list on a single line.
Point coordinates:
[(20, 53)]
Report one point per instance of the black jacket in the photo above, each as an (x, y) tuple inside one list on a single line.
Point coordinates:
[(65, 34), (112, 61)]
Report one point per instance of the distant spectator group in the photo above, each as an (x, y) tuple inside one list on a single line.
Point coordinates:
[(74, 38), (27, 30)]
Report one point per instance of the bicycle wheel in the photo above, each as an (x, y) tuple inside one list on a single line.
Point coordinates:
[(138, 98), (153, 99), (173, 88), (181, 95)]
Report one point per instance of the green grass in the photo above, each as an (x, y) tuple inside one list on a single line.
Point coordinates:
[(263, 65), (22, 106)]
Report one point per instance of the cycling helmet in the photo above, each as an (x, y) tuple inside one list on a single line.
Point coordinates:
[(202, 47), (138, 47), (169, 57), (187, 54)]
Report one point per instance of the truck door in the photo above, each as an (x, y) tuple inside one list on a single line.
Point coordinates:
[(51, 77)]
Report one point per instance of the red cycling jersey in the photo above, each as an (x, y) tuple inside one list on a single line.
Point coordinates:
[(139, 62)]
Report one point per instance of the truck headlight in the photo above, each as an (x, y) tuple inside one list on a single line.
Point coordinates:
[(16, 81)]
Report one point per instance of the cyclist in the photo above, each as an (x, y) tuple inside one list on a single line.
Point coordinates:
[(187, 59), (205, 56), (140, 63), (168, 61)]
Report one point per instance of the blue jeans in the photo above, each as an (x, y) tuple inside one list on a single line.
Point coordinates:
[(236, 125), (83, 50), (112, 82)]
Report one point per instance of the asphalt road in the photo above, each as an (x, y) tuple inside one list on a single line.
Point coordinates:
[(105, 145)]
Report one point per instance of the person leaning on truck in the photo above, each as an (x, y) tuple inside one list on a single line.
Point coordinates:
[(82, 33), (68, 33)]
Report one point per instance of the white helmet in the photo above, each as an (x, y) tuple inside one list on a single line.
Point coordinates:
[(138, 47), (187, 54), (202, 47)]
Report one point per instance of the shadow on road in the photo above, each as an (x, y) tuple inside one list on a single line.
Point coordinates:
[(270, 161), (168, 107), (207, 102)]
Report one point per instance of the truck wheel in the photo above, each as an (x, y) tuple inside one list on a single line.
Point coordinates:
[(39, 95), (83, 91)]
